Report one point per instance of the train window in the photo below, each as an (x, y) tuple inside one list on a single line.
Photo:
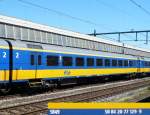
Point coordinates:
[(79, 61), (125, 62), (148, 63), (52, 60), (32, 59), (107, 62), (99, 62), (144, 63), (130, 63), (67, 61), (39, 60), (90, 61), (120, 62), (114, 62)]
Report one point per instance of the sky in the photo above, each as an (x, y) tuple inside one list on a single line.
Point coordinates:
[(103, 15)]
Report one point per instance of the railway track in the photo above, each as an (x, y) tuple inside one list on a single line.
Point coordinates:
[(24, 92), (38, 104)]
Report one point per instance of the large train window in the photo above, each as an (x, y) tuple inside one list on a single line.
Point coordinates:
[(99, 62), (144, 63), (67, 61), (125, 62), (107, 62), (120, 62), (79, 61), (32, 59), (130, 63), (39, 60), (114, 62), (148, 63), (52, 60), (90, 61)]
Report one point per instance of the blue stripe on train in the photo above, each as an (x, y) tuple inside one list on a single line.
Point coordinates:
[(21, 60)]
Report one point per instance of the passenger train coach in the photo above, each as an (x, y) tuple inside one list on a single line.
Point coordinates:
[(33, 54)]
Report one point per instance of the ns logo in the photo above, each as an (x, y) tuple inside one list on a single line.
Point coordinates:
[(67, 72)]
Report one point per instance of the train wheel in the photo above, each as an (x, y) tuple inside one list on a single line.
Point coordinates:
[(48, 85), (6, 89)]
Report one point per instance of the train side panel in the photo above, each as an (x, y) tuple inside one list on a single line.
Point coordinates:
[(25, 70), (4, 64)]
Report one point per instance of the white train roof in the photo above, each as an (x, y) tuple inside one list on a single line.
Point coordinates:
[(29, 24)]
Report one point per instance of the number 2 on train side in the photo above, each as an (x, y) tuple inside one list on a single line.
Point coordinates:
[(17, 55), (5, 55)]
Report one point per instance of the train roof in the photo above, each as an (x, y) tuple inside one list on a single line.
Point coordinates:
[(67, 50), (41, 27)]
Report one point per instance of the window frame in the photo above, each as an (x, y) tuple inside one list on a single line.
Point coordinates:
[(126, 64), (64, 64), (83, 61), (39, 60), (54, 57), (114, 64), (32, 59), (100, 64), (90, 61), (120, 64), (107, 62), (131, 63)]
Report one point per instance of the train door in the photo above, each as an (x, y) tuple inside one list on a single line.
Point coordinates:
[(36, 63), (142, 64), (4, 64), (138, 64)]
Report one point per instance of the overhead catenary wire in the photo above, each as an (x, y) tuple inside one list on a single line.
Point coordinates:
[(65, 14), (123, 12), (141, 7)]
